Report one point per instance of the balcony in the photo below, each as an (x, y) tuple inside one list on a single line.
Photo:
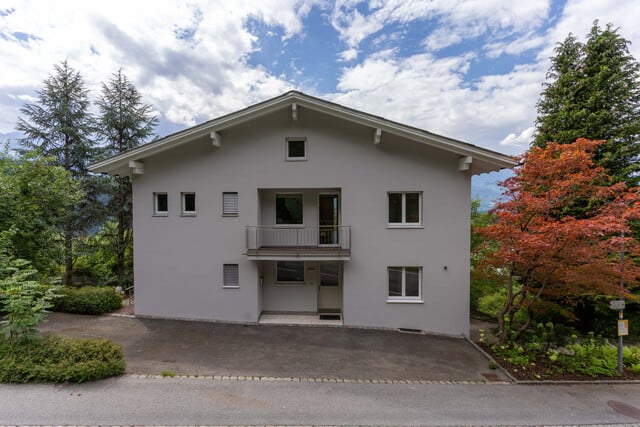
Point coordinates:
[(308, 242)]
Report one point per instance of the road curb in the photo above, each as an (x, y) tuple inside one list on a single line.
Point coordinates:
[(310, 379), (491, 359)]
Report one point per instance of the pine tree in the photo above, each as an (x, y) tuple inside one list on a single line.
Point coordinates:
[(559, 118), (60, 126), (595, 93), (124, 123)]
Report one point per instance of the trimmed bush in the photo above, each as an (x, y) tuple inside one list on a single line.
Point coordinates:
[(55, 359), (88, 300)]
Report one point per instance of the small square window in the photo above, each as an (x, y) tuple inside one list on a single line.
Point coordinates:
[(296, 149), (188, 204), (229, 204), (290, 272), (405, 284), (230, 276), (405, 209), (160, 204)]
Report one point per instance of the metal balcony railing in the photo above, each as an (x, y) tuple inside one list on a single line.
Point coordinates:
[(303, 236)]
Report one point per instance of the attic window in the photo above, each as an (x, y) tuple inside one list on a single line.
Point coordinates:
[(296, 149)]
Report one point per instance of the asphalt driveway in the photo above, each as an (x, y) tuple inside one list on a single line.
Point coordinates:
[(204, 348)]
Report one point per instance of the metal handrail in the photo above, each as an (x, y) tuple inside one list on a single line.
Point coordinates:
[(298, 236)]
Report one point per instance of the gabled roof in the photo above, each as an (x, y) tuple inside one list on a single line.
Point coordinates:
[(481, 160)]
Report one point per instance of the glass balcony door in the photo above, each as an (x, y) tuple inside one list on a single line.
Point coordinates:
[(328, 219)]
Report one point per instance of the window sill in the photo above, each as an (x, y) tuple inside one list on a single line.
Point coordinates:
[(405, 301), (296, 159), (231, 287), (230, 215), (415, 226), (160, 214), (188, 214)]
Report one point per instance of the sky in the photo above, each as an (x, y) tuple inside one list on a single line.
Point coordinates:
[(471, 70)]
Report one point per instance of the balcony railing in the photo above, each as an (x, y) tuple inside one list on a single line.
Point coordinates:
[(298, 237)]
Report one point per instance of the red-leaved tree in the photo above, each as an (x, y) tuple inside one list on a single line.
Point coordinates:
[(558, 232)]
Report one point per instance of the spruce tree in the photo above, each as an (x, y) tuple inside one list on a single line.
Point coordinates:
[(59, 125), (124, 123), (595, 93)]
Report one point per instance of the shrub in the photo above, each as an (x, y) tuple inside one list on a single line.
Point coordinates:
[(23, 300), (88, 300), (55, 359), (592, 357)]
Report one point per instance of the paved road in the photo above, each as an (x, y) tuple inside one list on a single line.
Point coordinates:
[(181, 401)]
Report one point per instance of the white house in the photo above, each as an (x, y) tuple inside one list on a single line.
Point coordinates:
[(299, 205)]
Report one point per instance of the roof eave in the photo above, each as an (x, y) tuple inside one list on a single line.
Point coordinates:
[(109, 165)]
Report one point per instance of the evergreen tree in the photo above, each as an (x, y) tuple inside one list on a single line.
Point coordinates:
[(595, 93), (124, 123), (60, 126)]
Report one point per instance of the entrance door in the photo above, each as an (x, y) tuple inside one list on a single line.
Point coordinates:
[(330, 289), (328, 217)]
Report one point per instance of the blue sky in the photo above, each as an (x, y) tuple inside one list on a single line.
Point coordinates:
[(471, 70)]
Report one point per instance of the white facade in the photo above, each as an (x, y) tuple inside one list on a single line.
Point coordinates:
[(180, 256)]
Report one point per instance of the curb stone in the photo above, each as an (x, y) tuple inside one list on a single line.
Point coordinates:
[(310, 379), (324, 425)]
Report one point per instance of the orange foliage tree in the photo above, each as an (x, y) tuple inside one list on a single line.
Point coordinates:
[(558, 232)]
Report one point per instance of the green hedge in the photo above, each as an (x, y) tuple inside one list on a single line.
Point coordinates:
[(55, 359), (88, 300)]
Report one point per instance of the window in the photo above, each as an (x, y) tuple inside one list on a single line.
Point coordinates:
[(188, 204), (230, 276), (405, 209), (229, 204), (160, 204), (296, 149), (405, 284), (288, 209), (290, 272)]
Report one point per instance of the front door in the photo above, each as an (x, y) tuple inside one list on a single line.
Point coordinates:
[(328, 217), (330, 289)]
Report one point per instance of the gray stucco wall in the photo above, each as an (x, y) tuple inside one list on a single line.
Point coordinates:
[(178, 260)]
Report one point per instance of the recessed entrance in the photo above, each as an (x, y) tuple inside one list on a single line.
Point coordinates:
[(330, 290)]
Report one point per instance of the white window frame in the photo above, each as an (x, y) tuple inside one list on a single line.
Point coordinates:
[(292, 283), (295, 159), (225, 285), (403, 298), (275, 211), (185, 212), (157, 212), (404, 223), (230, 214)]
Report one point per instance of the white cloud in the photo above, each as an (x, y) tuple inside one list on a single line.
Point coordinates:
[(348, 55), (523, 140), (514, 47), (188, 59), (457, 19)]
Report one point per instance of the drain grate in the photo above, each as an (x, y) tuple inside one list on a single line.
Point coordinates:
[(329, 316), (625, 409), (491, 377)]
